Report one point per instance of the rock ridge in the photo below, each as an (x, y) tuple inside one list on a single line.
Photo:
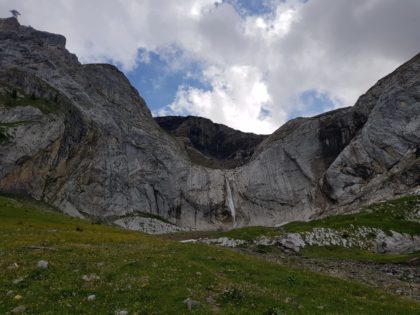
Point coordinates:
[(218, 146)]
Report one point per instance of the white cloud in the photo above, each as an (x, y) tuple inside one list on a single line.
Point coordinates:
[(237, 97), (252, 63)]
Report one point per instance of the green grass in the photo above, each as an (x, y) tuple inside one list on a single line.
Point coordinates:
[(12, 100), (340, 253), (150, 275), (4, 135), (387, 216), (251, 233), (14, 124)]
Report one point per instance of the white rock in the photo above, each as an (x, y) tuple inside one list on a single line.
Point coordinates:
[(42, 264), (19, 310), (18, 280), (264, 241), (91, 277), (191, 303), (292, 241), (189, 241), (223, 241), (13, 266)]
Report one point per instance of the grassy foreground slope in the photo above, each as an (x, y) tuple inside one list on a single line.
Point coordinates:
[(150, 275)]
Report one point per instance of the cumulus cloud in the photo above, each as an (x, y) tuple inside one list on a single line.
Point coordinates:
[(257, 63), (239, 97)]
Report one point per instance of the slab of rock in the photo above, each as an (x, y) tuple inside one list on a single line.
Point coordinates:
[(190, 303), (399, 243), (264, 241), (292, 241), (13, 266)]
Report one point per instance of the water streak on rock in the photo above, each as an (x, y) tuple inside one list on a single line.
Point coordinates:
[(229, 202)]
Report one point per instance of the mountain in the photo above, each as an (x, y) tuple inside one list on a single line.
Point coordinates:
[(82, 139), (209, 144)]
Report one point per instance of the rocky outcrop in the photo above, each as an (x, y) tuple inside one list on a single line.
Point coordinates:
[(147, 225), (209, 144), (367, 238), (383, 158), (82, 139)]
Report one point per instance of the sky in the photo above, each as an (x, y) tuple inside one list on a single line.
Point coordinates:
[(248, 64)]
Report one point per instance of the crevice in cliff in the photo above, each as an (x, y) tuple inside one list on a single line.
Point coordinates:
[(295, 161)]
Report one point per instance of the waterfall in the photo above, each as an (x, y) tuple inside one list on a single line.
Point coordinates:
[(229, 202)]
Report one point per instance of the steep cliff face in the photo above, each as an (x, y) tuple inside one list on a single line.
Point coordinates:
[(95, 149), (81, 138), (209, 144), (383, 158)]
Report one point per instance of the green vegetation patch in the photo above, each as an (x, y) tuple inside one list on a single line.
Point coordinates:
[(251, 233), (144, 274), (4, 136), (387, 216), (341, 253), (14, 124), (4, 127), (14, 99)]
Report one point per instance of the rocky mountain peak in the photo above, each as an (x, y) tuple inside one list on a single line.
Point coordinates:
[(25, 42), (10, 24), (209, 144)]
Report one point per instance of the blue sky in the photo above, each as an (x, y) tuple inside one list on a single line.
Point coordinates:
[(158, 83), (248, 64), (253, 7)]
